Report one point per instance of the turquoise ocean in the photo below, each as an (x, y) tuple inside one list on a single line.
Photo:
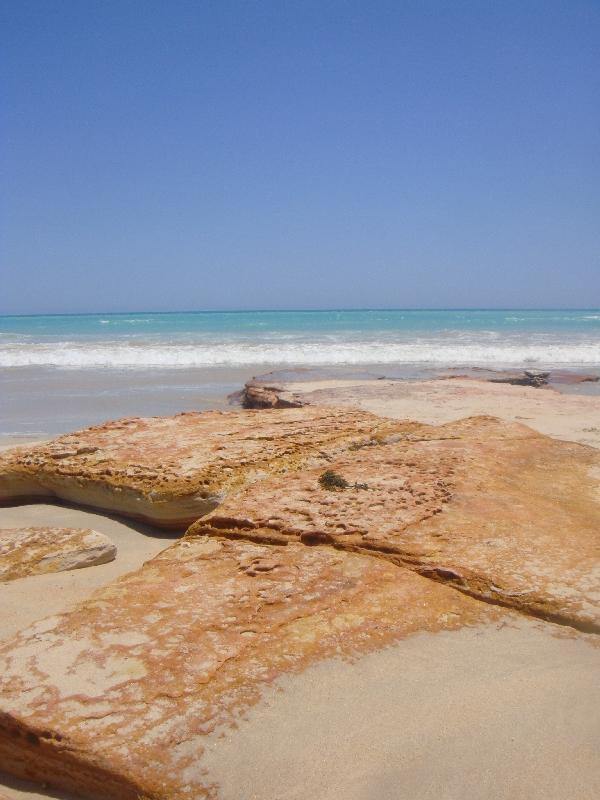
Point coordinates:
[(303, 338), (58, 373)]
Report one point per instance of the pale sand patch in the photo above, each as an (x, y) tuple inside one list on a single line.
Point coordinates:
[(476, 714), (8, 442), (564, 416), (26, 600)]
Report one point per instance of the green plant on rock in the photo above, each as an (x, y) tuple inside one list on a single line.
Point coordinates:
[(331, 480)]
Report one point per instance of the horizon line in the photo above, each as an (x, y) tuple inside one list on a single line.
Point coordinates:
[(299, 310)]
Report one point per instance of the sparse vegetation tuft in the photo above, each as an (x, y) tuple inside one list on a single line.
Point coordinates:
[(332, 481)]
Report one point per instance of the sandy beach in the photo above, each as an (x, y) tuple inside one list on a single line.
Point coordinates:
[(493, 711), (485, 712), (25, 599), (572, 417)]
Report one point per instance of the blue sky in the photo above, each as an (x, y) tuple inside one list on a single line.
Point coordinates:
[(208, 155)]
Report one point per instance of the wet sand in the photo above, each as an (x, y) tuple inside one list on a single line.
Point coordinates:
[(40, 402)]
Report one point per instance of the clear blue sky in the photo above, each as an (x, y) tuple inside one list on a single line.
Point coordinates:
[(207, 155)]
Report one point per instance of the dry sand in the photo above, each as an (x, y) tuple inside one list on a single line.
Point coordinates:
[(27, 599), (565, 416), (476, 714), (479, 714)]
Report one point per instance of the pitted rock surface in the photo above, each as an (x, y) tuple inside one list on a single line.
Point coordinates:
[(170, 470), (115, 699), (492, 508), (35, 551)]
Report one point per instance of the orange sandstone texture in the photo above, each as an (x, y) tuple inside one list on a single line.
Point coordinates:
[(492, 508), (115, 699), (170, 470), (35, 551)]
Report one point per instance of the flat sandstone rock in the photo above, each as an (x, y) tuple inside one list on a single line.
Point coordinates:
[(492, 508), (36, 551), (168, 471), (116, 698)]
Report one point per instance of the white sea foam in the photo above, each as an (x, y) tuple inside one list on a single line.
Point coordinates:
[(135, 321), (324, 350)]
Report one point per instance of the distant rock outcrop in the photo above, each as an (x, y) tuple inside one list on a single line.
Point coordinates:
[(257, 394), (272, 390), (35, 551), (524, 377)]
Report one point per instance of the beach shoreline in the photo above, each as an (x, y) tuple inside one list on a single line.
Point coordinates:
[(63, 372), (39, 403)]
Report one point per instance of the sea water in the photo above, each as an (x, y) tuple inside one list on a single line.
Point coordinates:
[(61, 372), (303, 338)]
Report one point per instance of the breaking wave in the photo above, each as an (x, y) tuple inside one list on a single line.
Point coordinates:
[(450, 349)]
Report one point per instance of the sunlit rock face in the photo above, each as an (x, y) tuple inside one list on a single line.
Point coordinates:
[(171, 470), (418, 525), (39, 550), (116, 699), (493, 508)]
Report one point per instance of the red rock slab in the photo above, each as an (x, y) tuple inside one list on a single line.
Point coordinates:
[(168, 471), (115, 699), (494, 509), (35, 551)]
